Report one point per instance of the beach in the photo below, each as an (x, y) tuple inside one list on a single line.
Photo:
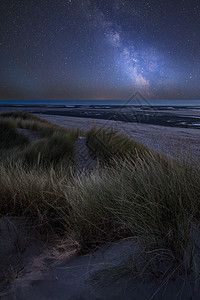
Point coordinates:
[(170, 140), (175, 130)]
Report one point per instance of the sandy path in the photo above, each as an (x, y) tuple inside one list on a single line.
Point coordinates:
[(84, 161), (171, 140)]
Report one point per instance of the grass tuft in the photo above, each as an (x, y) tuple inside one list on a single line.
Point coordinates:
[(108, 144)]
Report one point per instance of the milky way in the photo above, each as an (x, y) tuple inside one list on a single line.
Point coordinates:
[(82, 49)]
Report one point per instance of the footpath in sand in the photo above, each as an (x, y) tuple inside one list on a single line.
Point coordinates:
[(85, 163)]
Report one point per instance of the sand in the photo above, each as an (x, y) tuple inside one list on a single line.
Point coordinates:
[(85, 163), (74, 279), (68, 277)]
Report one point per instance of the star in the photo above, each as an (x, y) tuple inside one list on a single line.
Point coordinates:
[(90, 47)]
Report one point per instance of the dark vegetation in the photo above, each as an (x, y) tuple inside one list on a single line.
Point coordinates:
[(135, 192)]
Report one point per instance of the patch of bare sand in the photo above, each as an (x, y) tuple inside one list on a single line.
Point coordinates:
[(76, 279), (26, 251), (85, 163)]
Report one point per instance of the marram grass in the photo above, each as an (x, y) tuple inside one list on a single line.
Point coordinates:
[(136, 193)]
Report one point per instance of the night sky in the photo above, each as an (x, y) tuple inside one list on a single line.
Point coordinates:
[(99, 50)]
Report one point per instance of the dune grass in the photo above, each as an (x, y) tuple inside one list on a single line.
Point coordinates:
[(59, 148), (141, 198), (21, 115), (26, 120), (134, 193), (9, 137), (108, 144), (55, 146), (154, 201)]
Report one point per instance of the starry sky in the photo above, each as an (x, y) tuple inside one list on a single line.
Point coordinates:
[(99, 50)]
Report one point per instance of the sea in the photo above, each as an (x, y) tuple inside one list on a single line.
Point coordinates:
[(192, 103)]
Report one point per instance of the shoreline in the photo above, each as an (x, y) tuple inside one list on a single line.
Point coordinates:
[(167, 116)]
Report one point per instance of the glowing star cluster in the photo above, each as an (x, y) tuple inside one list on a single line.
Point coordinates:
[(133, 68)]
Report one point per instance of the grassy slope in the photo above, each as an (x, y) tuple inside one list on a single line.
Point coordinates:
[(56, 146), (139, 194), (9, 137), (110, 145)]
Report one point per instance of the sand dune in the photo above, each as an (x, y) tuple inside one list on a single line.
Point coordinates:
[(69, 278)]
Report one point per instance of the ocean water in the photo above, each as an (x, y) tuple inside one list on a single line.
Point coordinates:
[(105, 102)]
